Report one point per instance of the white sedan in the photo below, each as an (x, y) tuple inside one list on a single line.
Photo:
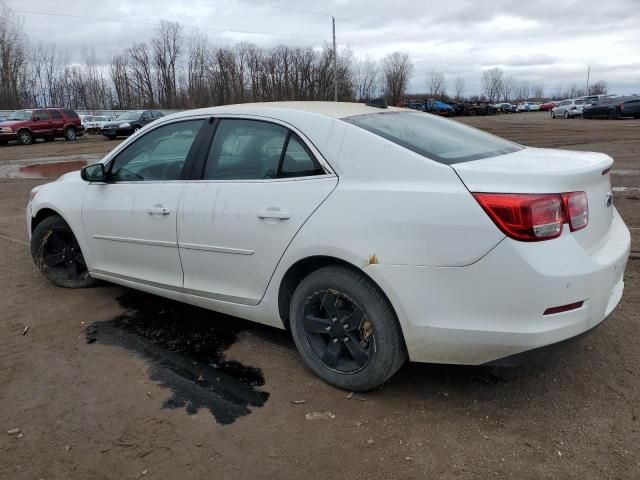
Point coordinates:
[(374, 235)]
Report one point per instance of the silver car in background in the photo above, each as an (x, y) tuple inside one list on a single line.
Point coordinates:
[(568, 108)]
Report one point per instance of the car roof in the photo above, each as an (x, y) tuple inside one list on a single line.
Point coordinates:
[(276, 109)]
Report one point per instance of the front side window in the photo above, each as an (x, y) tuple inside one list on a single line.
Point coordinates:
[(56, 114), (445, 141), (157, 155)]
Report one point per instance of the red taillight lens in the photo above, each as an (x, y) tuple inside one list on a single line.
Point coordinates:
[(525, 217), (621, 106), (577, 209), (535, 217)]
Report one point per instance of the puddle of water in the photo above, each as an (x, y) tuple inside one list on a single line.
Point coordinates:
[(46, 170), (185, 347)]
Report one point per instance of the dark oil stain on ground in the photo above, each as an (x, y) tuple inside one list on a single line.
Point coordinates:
[(47, 170), (185, 346)]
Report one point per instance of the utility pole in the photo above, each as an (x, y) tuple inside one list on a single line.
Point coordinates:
[(335, 62), (588, 73)]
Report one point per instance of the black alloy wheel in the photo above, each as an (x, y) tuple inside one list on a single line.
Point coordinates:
[(345, 328), (58, 256), (338, 331)]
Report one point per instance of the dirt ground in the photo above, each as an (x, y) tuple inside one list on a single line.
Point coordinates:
[(107, 383)]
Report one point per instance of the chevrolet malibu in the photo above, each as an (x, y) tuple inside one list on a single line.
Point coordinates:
[(373, 235)]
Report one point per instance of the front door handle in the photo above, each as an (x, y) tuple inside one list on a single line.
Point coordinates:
[(159, 210), (279, 214)]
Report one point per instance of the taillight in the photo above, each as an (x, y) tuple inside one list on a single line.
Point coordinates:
[(535, 217), (621, 106), (577, 209)]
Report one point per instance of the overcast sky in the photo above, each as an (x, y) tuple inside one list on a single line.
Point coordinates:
[(547, 41)]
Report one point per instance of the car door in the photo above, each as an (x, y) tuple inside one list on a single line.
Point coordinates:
[(41, 124), (259, 184), (57, 122), (130, 220)]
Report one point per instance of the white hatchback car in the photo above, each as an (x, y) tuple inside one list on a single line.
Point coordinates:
[(372, 234)]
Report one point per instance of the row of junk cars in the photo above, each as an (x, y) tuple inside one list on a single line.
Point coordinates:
[(592, 106), (28, 125)]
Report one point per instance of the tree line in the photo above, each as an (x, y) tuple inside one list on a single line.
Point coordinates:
[(178, 70)]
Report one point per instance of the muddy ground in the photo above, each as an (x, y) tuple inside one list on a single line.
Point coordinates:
[(108, 383)]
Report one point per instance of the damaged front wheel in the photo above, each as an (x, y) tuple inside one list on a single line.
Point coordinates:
[(57, 255)]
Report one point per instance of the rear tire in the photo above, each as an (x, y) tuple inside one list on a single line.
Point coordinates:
[(70, 134), (25, 137), (345, 329), (612, 115), (57, 254), (566, 115)]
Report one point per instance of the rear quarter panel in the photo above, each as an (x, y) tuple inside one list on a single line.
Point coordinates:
[(396, 206)]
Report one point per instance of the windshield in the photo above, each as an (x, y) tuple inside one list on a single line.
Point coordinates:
[(445, 141), (21, 115), (130, 116)]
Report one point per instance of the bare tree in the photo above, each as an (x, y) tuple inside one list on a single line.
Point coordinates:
[(167, 47), (365, 78), (508, 88), (459, 87), (492, 83), (598, 88), (435, 84), (522, 90), (396, 71), (537, 91), (13, 59)]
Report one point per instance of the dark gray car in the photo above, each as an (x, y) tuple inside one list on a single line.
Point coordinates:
[(129, 122)]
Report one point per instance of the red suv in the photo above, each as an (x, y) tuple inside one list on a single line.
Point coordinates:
[(26, 126)]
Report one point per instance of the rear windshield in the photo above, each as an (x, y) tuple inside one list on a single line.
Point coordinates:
[(445, 141)]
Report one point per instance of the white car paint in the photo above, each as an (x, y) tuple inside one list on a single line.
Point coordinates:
[(570, 108), (463, 292)]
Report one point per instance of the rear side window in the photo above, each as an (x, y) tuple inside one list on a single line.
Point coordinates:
[(41, 115), (298, 160), (245, 150), (71, 113), (56, 114), (445, 141)]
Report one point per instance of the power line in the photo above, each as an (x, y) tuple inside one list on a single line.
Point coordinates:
[(155, 24), (280, 7)]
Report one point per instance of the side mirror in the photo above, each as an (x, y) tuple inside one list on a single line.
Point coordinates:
[(94, 173)]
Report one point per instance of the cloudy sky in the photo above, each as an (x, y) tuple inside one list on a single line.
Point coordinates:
[(543, 41)]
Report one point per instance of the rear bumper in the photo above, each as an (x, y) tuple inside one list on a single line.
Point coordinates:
[(494, 307)]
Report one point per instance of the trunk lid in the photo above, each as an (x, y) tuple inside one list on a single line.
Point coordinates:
[(539, 170)]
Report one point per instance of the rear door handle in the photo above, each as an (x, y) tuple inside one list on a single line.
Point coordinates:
[(279, 214), (159, 210)]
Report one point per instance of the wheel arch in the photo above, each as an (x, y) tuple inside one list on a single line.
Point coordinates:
[(303, 268), (20, 129), (44, 213)]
